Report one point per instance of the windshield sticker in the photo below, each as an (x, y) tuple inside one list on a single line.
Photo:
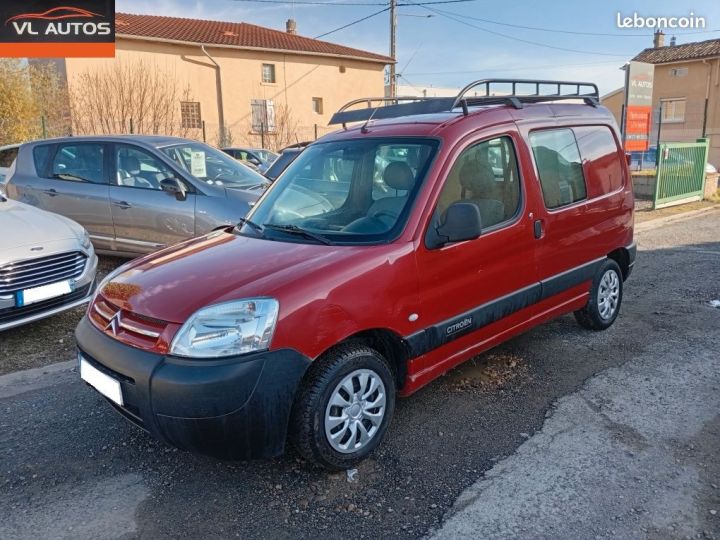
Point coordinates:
[(197, 164)]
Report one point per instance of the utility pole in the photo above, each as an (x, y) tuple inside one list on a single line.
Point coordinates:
[(393, 28)]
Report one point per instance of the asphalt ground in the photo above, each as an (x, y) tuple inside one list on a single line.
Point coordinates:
[(72, 468)]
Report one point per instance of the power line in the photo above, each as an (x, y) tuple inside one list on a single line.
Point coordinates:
[(470, 71), (556, 31), (351, 2), (537, 43), (356, 21)]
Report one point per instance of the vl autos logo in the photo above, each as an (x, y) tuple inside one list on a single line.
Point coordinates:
[(52, 23), (57, 28)]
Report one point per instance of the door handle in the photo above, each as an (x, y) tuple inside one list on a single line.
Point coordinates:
[(52, 192), (538, 228), (122, 204)]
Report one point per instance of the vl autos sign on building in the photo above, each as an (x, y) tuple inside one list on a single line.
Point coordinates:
[(638, 105), (57, 28)]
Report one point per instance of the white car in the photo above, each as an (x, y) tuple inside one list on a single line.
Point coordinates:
[(47, 264), (7, 158)]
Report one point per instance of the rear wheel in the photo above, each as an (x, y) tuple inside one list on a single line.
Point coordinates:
[(344, 407), (603, 305)]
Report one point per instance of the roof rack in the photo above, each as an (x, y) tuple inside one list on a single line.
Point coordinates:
[(394, 107)]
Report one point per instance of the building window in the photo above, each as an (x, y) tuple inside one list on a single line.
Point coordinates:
[(317, 105), (678, 72), (673, 110), (263, 115), (190, 114), (268, 73)]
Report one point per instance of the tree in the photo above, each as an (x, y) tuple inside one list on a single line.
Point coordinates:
[(31, 96), (128, 96)]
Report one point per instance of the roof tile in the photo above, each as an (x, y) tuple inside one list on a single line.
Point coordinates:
[(230, 34), (676, 53)]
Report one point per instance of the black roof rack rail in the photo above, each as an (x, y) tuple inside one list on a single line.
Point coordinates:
[(394, 107)]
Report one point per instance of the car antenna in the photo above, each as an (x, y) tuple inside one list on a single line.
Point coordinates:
[(364, 128)]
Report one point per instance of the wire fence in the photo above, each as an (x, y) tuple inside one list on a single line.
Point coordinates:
[(677, 121), (276, 139)]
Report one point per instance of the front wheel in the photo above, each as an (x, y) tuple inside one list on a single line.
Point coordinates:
[(603, 305), (344, 408)]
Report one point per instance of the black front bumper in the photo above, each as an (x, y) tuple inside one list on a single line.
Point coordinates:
[(234, 408)]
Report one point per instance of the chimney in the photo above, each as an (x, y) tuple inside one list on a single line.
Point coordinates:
[(291, 26), (673, 41), (658, 39)]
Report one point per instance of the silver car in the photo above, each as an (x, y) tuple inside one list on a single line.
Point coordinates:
[(135, 194), (47, 264)]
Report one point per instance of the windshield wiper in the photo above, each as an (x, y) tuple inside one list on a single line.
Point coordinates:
[(251, 224), (294, 229)]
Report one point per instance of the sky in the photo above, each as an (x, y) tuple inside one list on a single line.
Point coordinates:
[(453, 47)]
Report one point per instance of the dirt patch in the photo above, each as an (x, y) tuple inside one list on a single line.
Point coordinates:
[(487, 372), (648, 214)]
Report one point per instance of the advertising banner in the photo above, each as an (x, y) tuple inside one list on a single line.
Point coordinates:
[(57, 28), (638, 105)]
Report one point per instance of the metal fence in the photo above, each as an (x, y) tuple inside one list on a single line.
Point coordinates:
[(680, 175)]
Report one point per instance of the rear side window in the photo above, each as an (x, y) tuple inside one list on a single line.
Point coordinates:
[(40, 156), (7, 157), (603, 168), (79, 163), (558, 163)]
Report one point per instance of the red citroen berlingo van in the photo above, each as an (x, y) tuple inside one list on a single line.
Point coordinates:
[(386, 254)]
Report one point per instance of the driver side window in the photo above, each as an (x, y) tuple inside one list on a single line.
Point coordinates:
[(140, 169), (486, 174)]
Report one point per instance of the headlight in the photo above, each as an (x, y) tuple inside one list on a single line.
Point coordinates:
[(228, 329), (85, 241)]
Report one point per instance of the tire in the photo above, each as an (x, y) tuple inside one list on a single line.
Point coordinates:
[(603, 305), (346, 367)]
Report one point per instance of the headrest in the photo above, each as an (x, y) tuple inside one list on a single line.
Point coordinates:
[(129, 163), (476, 176), (399, 175)]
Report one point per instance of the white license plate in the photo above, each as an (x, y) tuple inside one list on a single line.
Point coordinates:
[(44, 292), (106, 385)]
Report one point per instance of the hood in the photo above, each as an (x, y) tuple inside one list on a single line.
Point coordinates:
[(172, 284), (37, 226)]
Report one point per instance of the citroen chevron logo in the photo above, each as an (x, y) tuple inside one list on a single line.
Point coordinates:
[(114, 324)]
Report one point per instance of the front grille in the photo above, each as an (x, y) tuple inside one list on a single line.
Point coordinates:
[(15, 313), (31, 273), (131, 328)]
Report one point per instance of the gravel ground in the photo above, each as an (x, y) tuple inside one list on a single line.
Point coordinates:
[(49, 340), (71, 468)]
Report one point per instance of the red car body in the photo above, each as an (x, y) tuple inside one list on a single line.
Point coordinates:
[(412, 302)]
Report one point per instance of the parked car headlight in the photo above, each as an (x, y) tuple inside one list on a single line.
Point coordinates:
[(228, 329), (85, 241)]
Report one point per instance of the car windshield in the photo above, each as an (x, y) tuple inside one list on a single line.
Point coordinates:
[(266, 155), (213, 166), (347, 192)]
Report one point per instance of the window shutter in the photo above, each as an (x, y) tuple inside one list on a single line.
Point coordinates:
[(258, 114), (270, 114)]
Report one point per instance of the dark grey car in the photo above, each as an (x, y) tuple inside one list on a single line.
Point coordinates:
[(135, 194)]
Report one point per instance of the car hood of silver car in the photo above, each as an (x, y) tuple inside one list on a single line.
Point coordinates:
[(22, 225)]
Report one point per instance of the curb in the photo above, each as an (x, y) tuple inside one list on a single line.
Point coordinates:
[(659, 222), (20, 382)]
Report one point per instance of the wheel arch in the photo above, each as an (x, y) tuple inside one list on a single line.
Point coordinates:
[(385, 341), (622, 257)]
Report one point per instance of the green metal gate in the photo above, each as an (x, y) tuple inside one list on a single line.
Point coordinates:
[(680, 173)]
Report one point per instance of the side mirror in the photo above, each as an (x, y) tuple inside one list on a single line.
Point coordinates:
[(175, 187), (462, 222)]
